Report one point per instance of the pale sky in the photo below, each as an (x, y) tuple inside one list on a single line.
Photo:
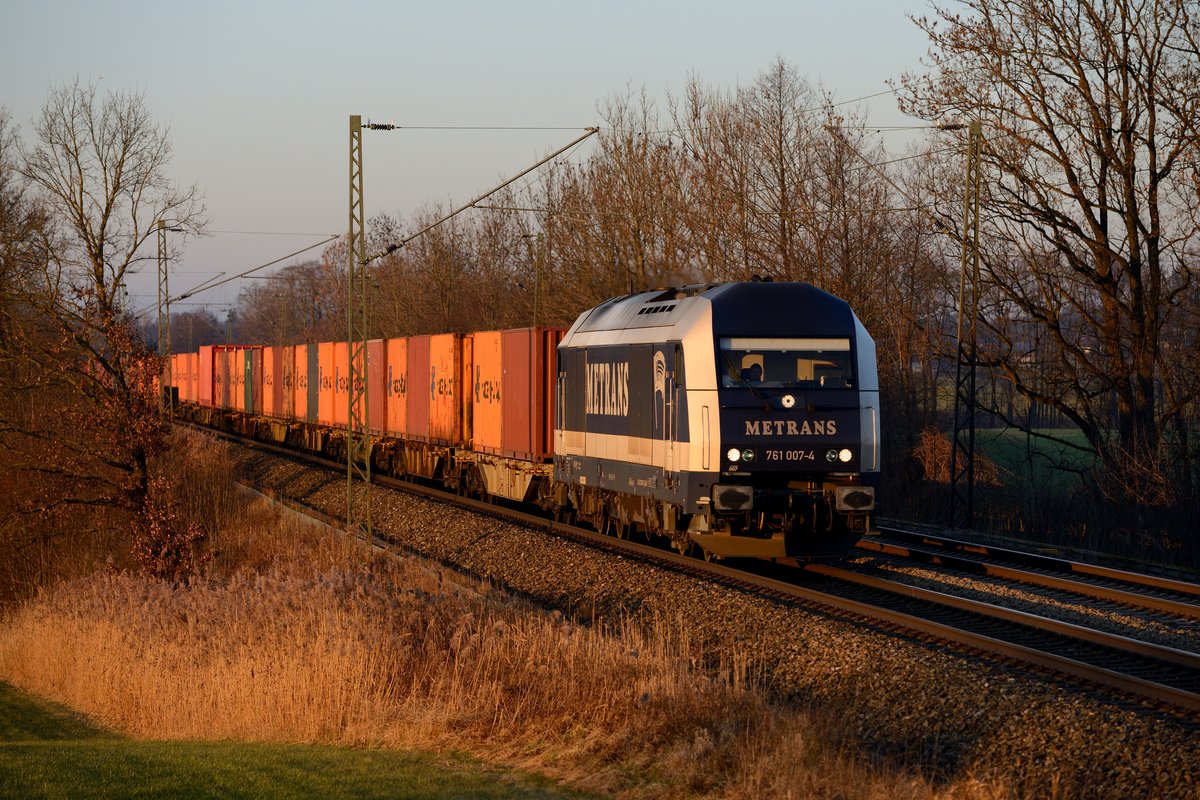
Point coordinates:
[(258, 94)]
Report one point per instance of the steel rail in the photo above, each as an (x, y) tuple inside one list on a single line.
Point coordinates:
[(1117, 642), (1042, 561), (1062, 582)]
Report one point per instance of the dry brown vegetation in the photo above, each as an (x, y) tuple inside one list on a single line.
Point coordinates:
[(295, 634)]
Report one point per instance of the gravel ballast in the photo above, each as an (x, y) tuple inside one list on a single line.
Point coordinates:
[(945, 713)]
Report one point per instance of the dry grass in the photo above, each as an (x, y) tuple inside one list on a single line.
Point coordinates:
[(297, 636)]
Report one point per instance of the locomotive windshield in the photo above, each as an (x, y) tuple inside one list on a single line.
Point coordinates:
[(786, 363)]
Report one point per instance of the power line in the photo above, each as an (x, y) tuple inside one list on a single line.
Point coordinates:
[(270, 233), (208, 285), (472, 204), (391, 126)]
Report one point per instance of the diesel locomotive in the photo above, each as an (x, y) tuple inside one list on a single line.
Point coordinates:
[(740, 418)]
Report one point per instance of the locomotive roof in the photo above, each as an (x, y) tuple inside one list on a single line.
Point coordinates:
[(744, 308)]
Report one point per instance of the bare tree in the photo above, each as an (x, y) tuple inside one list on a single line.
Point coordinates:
[(1089, 111), (98, 167)]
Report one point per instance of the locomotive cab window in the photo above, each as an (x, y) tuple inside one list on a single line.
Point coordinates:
[(786, 363)]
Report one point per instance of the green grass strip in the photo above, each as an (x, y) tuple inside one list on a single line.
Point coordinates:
[(47, 751)]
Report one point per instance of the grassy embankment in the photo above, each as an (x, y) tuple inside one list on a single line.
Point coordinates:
[(48, 751), (293, 636)]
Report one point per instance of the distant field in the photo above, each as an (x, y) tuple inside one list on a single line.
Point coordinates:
[(1023, 459), (47, 751)]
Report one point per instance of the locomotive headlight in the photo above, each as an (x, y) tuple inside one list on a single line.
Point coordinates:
[(747, 454), (734, 454), (831, 455), (844, 455)]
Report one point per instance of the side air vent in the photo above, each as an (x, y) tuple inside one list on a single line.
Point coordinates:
[(656, 309)]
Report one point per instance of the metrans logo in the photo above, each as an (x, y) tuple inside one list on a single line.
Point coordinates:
[(608, 389), (791, 427)]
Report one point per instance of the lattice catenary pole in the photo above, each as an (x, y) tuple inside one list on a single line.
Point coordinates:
[(962, 459), (164, 314), (358, 436)]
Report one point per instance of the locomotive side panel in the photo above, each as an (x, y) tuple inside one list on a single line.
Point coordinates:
[(620, 424)]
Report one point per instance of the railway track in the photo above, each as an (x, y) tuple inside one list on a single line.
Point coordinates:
[(1158, 593), (1164, 677)]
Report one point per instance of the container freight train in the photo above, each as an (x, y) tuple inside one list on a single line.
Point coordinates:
[(740, 418)]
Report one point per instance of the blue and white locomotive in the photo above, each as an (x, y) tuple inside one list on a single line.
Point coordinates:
[(739, 418)]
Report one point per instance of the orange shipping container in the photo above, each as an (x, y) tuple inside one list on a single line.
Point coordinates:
[(325, 376), (254, 376), (181, 374), (273, 388), (487, 416), (376, 386), (176, 375), (186, 385), (220, 377), (445, 365), (269, 381), (419, 392), (466, 406), (233, 378), (530, 366), (300, 383), (192, 376), (513, 392), (205, 370), (397, 387), (237, 379), (287, 394), (341, 384)]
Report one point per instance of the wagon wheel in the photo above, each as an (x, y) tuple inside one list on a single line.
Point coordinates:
[(474, 486), (621, 528)]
